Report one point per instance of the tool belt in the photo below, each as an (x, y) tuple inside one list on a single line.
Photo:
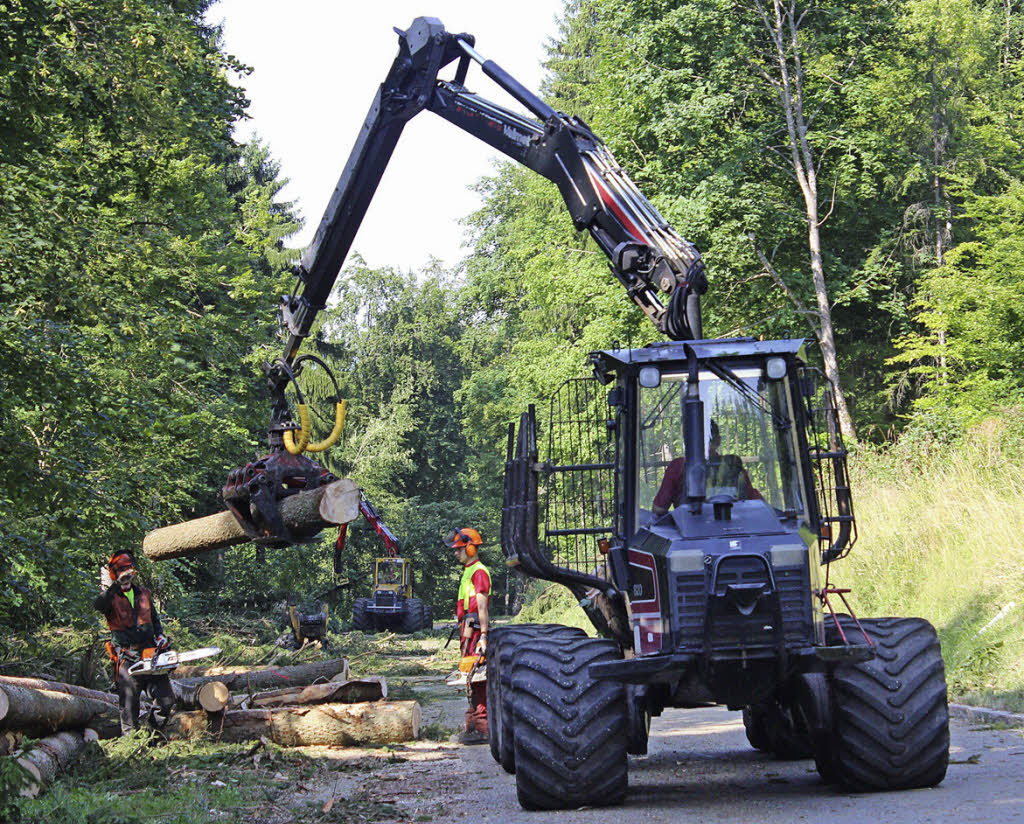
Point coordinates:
[(471, 620), (120, 656)]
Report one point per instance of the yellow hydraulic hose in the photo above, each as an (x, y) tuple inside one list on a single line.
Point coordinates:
[(339, 425), (298, 447)]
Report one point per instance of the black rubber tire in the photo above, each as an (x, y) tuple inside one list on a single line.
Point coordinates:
[(755, 723), (500, 718), (891, 717), (570, 730), (428, 616), (638, 721), (361, 618), (412, 616)]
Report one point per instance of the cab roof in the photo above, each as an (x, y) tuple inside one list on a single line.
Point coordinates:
[(616, 360)]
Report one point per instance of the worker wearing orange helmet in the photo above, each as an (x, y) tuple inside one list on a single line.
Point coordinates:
[(134, 626), (473, 615)]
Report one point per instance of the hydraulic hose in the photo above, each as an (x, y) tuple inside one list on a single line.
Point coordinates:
[(297, 447), (340, 408)]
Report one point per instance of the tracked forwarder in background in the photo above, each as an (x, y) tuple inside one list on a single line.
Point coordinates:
[(719, 593)]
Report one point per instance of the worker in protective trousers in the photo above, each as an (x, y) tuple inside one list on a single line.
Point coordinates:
[(471, 609), (134, 627)]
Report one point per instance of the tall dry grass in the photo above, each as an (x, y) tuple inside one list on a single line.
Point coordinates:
[(942, 537)]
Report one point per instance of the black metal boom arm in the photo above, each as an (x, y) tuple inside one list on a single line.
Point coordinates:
[(646, 254)]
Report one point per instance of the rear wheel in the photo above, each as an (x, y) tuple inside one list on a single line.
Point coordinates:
[(891, 716), (570, 729), (428, 616), (361, 618), (501, 649)]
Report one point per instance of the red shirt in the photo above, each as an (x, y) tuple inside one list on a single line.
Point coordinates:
[(670, 493)]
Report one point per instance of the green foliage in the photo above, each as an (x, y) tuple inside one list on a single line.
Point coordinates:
[(939, 540), (139, 249)]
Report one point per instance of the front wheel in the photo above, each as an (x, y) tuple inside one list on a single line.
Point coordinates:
[(361, 618), (891, 716), (571, 730)]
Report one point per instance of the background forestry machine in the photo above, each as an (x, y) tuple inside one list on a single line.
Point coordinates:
[(691, 518), (392, 605)]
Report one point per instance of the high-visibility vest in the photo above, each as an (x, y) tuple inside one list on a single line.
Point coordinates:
[(466, 588)]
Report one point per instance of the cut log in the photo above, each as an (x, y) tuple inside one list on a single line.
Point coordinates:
[(252, 679), (212, 696), (53, 755), (342, 692), (58, 686), (36, 711), (377, 722), (331, 505)]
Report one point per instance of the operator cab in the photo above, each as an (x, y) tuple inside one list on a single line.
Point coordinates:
[(748, 442)]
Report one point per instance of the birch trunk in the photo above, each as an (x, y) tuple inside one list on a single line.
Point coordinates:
[(782, 27)]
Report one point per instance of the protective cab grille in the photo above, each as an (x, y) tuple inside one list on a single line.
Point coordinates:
[(732, 629)]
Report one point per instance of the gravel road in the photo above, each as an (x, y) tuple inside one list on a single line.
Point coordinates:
[(700, 768)]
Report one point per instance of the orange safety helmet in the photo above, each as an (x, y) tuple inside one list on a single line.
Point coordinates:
[(119, 562), (466, 537)]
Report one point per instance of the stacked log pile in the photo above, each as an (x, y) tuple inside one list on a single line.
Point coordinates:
[(303, 709)]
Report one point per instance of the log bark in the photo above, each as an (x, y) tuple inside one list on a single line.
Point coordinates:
[(252, 679), (212, 696), (378, 722), (58, 686), (37, 711), (331, 505), (53, 755), (342, 692)]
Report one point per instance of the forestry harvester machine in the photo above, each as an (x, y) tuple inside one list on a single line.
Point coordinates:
[(392, 605), (692, 495)]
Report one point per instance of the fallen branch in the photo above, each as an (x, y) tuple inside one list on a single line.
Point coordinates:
[(331, 505), (378, 722)]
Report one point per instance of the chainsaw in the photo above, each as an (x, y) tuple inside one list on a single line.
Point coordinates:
[(162, 663)]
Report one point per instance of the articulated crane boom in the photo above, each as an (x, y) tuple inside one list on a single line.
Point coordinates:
[(645, 254)]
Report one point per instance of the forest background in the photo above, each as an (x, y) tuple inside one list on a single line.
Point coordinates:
[(852, 172)]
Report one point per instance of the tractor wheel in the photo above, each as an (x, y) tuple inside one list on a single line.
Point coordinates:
[(361, 618), (504, 641), (890, 713), (428, 616), (794, 727), (570, 730), (755, 723), (412, 616)]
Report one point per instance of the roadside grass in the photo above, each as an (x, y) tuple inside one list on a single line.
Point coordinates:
[(941, 538)]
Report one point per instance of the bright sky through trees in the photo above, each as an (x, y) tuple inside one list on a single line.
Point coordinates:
[(316, 67)]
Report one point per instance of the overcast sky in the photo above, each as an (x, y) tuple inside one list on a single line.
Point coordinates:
[(316, 67)]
